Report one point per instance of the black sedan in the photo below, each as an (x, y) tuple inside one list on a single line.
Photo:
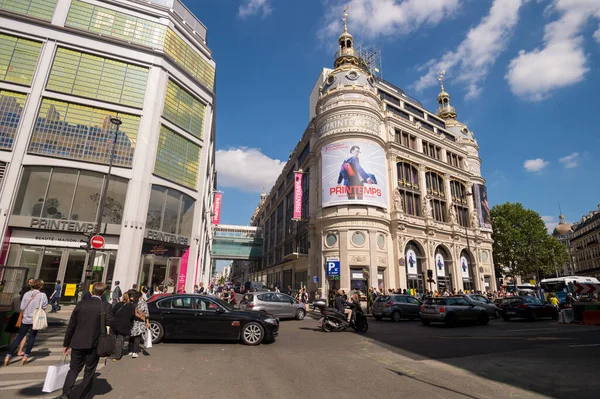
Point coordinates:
[(529, 307), (208, 318)]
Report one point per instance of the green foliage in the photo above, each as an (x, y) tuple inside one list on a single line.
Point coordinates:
[(522, 244)]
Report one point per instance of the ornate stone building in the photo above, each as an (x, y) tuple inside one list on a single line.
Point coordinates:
[(585, 245), (390, 189)]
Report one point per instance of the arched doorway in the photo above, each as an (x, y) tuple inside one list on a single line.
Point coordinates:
[(413, 256), (466, 270), (443, 269)]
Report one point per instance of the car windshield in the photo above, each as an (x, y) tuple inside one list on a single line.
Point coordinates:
[(435, 301), (383, 298)]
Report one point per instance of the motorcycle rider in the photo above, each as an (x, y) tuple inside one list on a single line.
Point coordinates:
[(340, 304), (356, 307)]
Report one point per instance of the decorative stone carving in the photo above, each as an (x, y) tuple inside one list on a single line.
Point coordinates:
[(359, 259), (466, 164), (426, 207), (398, 201), (452, 215), (381, 261), (474, 220)]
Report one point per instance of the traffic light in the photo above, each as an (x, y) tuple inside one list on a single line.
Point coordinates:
[(86, 244), (429, 274)]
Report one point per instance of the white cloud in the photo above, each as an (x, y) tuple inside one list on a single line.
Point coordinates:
[(478, 51), (597, 35), (372, 18), (570, 161), (255, 7), (562, 61), (246, 169), (535, 165), (550, 222)]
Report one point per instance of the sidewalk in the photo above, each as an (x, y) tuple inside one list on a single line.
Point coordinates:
[(61, 317)]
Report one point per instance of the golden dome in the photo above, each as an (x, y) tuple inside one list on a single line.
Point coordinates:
[(563, 227)]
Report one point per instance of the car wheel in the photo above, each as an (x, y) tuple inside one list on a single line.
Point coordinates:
[(531, 316), (426, 322), (157, 331), (396, 316), (483, 318), (300, 313), (378, 318), (450, 320), (253, 333), (496, 314)]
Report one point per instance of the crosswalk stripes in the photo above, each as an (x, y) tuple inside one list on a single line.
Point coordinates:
[(47, 351)]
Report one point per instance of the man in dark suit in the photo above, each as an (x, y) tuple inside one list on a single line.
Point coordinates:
[(81, 339)]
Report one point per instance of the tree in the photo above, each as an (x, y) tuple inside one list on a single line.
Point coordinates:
[(521, 243), (553, 256), (221, 280)]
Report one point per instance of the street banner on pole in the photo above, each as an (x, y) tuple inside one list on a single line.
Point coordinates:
[(297, 196), (217, 208)]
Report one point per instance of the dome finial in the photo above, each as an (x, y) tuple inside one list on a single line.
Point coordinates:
[(441, 75), (346, 55), (445, 110), (345, 18)]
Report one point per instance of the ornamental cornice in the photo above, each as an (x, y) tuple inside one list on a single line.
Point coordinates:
[(348, 222)]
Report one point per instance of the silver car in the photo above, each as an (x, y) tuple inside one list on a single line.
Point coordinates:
[(275, 303), (480, 300), (451, 311)]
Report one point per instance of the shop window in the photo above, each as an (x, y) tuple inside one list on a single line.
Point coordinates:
[(60, 193), (32, 191), (170, 211)]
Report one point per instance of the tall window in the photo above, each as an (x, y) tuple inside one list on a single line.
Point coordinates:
[(408, 184), (459, 201), (170, 211), (189, 59), (435, 189), (96, 77), (18, 58), (33, 8), (405, 139), (184, 110), (454, 160), (177, 158), (11, 108), (432, 150)]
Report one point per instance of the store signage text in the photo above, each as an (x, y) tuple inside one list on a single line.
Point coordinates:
[(166, 237), (345, 122), (64, 225)]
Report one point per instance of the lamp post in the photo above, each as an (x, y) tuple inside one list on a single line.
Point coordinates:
[(114, 120), (464, 197)]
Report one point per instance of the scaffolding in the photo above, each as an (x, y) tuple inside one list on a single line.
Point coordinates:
[(369, 58)]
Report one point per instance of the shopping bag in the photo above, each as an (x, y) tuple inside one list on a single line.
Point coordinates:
[(40, 320), (56, 376), (148, 339)]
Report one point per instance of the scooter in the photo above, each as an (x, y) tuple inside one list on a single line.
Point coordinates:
[(333, 320)]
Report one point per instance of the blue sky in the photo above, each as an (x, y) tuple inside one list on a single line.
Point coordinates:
[(523, 75)]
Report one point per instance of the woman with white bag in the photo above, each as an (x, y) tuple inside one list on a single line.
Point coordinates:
[(32, 307)]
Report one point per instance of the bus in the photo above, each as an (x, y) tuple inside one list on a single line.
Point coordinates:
[(561, 286)]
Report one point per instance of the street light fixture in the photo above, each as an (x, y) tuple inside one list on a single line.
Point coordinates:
[(114, 120)]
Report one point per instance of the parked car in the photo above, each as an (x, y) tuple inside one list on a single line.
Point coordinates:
[(529, 307), (396, 307), (208, 318), (275, 303), (480, 300), (451, 311)]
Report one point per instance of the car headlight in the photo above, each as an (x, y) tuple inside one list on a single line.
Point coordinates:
[(271, 320)]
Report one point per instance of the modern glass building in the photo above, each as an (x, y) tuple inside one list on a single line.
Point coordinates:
[(66, 68)]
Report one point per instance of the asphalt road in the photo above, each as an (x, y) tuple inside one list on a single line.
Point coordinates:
[(392, 360)]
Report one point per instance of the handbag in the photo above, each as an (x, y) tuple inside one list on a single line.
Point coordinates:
[(106, 343), (56, 376), (40, 319), (148, 339)]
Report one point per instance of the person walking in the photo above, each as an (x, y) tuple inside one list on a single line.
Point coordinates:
[(81, 340), (31, 301), (115, 296), (123, 314), (140, 323), (55, 297)]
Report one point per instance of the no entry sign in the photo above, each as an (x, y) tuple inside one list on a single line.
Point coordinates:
[(97, 242)]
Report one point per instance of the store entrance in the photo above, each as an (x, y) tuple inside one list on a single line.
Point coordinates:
[(159, 271)]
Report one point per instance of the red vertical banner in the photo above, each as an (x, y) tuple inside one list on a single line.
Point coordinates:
[(297, 196), (216, 219)]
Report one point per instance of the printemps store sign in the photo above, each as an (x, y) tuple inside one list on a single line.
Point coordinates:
[(361, 122), (63, 225)]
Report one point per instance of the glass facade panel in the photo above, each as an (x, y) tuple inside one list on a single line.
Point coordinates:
[(184, 110), (73, 131), (96, 77), (49, 267), (18, 58), (116, 24), (11, 108), (177, 158), (189, 58), (89, 186), (115, 200), (42, 9), (60, 194), (30, 258), (170, 211), (32, 191)]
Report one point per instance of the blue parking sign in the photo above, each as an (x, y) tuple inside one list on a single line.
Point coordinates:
[(333, 266)]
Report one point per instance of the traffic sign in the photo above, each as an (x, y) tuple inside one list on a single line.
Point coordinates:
[(586, 288), (333, 266), (97, 242), (316, 279)]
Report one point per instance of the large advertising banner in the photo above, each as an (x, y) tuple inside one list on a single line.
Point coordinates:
[(216, 219), (483, 208), (297, 196), (354, 172)]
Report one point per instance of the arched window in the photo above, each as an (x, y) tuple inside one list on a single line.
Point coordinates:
[(459, 202), (413, 261), (408, 185), (435, 189), (443, 269), (466, 270)]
